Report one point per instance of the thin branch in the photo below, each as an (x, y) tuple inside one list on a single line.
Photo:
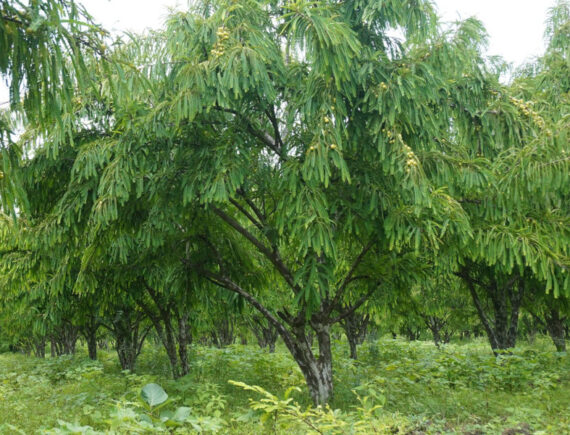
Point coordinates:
[(348, 278), (261, 216), (354, 307), (228, 284), (247, 214), (273, 118), (265, 137), (272, 256)]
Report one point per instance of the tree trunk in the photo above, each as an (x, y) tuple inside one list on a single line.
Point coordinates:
[(161, 317), (92, 346), (317, 371), (184, 338), (265, 333), (128, 340), (436, 336), (170, 346), (555, 327), (436, 325), (223, 335), (90, 334), (505, 302), (68, 337), (40, 347), (127, 353), (163, 327), (355, 327)]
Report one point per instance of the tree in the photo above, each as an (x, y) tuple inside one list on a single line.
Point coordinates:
[(518, 200), (294, 136)]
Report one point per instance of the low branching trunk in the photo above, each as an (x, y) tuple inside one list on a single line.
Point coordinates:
[(355, 327), (317, 371), (171, 327), (437, 327), (265, 333), (89, 331), (500, 315), (129, 339), (555, 326)]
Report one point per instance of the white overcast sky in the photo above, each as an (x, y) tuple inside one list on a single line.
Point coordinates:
[(515, 27)]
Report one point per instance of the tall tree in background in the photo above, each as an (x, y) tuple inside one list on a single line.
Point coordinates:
[(521, 219)]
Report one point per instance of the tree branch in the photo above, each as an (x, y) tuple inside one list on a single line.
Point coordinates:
[(228, 284), (348, 278), (273, 119), (354, 307), (264, 137), (479, 307), (272, 256), (247, 214)]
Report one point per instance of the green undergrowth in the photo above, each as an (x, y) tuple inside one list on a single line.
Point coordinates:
[(394, 387)]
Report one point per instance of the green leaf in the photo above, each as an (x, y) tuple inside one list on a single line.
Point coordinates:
[(153, 394), (181, 414)]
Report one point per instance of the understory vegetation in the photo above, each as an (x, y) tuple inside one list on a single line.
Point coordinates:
[(396, 386)]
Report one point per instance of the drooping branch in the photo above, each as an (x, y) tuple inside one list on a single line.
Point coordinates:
[(270, 254)]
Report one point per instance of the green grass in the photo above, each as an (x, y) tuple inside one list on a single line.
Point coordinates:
[(395, 387)]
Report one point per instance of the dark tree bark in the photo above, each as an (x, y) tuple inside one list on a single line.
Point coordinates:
[(89, 331), (91, 340), (411, 333), (555, 326), (499, 307), (40, 347), (163, 315), (223, 333), (437, 326), (184, 339), (355, 327), (126, 329), (63, 339), (264, 332)]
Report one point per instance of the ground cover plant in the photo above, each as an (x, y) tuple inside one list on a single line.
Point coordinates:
[(397, 386)]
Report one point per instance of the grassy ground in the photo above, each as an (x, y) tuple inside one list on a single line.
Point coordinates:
[(395, 387)]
